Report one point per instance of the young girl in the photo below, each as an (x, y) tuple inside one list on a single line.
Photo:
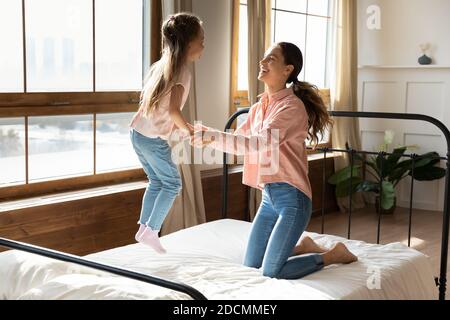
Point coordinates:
[(275, 130), (165, 91)]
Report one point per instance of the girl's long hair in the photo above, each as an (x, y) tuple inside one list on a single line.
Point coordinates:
[(318, 118), (177, 32)]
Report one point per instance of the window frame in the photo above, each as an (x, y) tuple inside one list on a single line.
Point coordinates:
[(20, 105), (237, 96), (241, 96), (26, 104)]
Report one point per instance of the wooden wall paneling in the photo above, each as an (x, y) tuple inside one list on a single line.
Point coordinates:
[(102, 222), (237, 197), (316, 180), (78, 227), (238, 193)]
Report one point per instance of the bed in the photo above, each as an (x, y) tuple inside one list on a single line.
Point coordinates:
[(204, 262), (214, 268)]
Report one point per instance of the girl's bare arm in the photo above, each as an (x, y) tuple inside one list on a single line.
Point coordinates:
[(176, 97)]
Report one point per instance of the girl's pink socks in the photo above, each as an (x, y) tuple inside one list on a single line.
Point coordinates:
[(140, 231), (150, 237)]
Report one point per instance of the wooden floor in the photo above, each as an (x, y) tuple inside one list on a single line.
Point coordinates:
[(426, 229)]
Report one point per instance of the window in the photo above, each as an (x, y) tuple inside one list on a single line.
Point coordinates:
[(118, 30), (59, 146), (70, 81), (305, 23), (12, 150), (113, 139), (59, 46), (71, 45), (11, 62)]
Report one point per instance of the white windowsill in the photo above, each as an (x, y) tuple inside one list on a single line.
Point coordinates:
[(214, 172), (106, 190), (71, 196)]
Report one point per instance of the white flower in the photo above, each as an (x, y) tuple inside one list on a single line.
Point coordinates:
[(388, 136), (424, 47)]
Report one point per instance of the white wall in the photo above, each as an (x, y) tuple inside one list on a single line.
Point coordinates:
[(404, 25), (397, 83), (213, 70)]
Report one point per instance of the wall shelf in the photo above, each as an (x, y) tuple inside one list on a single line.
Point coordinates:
[(418, 66)]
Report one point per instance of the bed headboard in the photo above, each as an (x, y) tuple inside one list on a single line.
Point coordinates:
[(442, 279)]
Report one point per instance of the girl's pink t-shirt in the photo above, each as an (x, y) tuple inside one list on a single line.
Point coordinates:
[(159, 123), (285, 161)]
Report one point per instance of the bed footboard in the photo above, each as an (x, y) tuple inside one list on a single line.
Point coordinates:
[(193, 293)]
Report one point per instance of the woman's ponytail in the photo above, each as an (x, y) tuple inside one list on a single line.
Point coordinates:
[(318, 118)]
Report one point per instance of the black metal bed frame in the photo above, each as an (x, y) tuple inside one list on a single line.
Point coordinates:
[(195, 294), (442, 280), (180, 287)]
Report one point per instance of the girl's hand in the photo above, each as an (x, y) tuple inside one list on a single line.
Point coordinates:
[(190, 128), (201, 127), (200, 139)]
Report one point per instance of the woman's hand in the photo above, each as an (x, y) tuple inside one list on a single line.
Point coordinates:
[(201, 137)]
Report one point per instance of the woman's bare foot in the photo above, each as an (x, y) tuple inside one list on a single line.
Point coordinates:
[(338, 254), (307, 245)]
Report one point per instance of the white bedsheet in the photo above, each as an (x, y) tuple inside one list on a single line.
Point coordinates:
[(208, 257)]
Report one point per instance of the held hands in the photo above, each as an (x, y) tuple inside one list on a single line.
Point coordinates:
[(191, 129), (199, 135)]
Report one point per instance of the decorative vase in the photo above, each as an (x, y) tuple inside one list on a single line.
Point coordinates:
[(424, 60), (385, 211)]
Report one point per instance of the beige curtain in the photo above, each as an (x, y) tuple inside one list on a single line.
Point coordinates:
[(155, 30), (188, 208), (258, 15), (344, 88), (257, 43)]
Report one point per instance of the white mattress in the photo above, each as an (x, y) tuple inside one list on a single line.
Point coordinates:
[(208, 257)]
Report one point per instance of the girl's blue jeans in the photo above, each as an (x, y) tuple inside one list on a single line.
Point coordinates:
[(164, 185), (282, 217)]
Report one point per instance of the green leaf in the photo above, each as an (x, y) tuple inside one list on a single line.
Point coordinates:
[(393, 158), (343, 187), (369, 186), (381, 163), (387, 195), (435, 160), (397, 174), (344, 174), (428, 173), (372, 163), (421, 160)]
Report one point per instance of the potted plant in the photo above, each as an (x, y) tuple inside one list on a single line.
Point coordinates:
[(385, 170), (424, 59)]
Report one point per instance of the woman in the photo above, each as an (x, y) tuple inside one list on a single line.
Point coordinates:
[(272, 139)]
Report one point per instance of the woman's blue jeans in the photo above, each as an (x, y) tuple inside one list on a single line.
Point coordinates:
[(164, 185), (282, 217)]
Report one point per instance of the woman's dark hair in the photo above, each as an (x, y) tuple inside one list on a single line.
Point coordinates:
[(318, 117)]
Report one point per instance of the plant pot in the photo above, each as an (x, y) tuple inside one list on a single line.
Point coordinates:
[(385, 211), (424, 60)]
